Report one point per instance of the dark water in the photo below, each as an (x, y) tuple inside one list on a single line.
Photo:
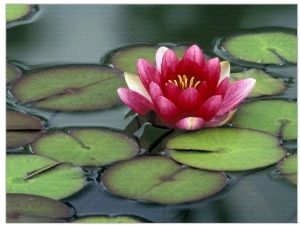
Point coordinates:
[(65, 34)]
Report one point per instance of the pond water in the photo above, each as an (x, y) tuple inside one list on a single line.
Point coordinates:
[(83, 34)]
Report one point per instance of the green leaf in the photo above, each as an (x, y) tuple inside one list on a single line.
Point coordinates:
[(21, 129), (17, 11), (70, 88), (12, 73), (38, 175), (86, 147), (262, 47), (161, 180), (24, 208), (107, 219), (225, 149), (288, 168), (265, 84), (126, 59), (272, 116)]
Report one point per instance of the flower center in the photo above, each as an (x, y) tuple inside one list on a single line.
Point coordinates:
[(184, 82)]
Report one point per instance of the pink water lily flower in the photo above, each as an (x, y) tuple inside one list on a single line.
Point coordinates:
[(187, 94)]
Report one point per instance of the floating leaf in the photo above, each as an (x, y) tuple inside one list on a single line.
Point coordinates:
[(70, 88), (33, 174), (225, 149), (21, 129), (272, 116), (107, 219), (12, 73), (267, 47), (17, 11), (161, 180), (86, 147), (265, 84), (24, 208), (288, 168), (126, 59)]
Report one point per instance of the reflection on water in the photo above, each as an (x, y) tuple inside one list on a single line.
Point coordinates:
[(84, 33)]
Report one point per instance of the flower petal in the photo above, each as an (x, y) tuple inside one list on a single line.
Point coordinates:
[(158, 57), (189, 99), (147, 73), (222, 87), (166, 109), (214, 68), (168, 66), (190, 123), (194, 54), (172, 91), (210, 107), (236, 93), (135, 100), (225, 70), (134, 83), (221, 119), (155, 91)]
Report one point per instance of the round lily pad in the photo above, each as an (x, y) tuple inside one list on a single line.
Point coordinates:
[(288, 168), (21, 129), (125, 59), (261, 47), (25, 208), (159, 179), (17, 11), (86, 147), (107, 219), (225, 149), (38, 175), (272, 116), (70, 88), (265, 84), (12, 73)]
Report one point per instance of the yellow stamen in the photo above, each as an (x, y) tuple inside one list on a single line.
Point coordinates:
[(183, 82)]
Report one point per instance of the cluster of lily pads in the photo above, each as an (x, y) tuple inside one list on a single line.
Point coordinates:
[(188, 166)]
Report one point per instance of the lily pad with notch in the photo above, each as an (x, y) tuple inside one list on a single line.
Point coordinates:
[(70, 88), (12, 73), (288, 168), (38, 175), (26, 208), (278, 117), (265, 84), (260, 47), (225, 149), (160, 180), (86, 147), (22, 129), (126, 58)]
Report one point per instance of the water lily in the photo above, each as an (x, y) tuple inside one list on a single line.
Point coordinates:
[(187, 94)]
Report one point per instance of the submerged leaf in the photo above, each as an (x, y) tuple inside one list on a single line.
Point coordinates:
[(265, 84), (49, 176), (86, 147), (225, 149), (25, 208), (12, 73), (272, 116), (159, 179), (70, 88)]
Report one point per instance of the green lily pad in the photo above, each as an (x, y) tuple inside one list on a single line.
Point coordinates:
[(38, 175), (126, 59), (17, 11), (159, 179), (225, 149), (12, 73), (265, 84), (86, 147), (288, 168), (272, 116), (21, 129), (70, 88), (107, 219), (269, 47), (24, 208)]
